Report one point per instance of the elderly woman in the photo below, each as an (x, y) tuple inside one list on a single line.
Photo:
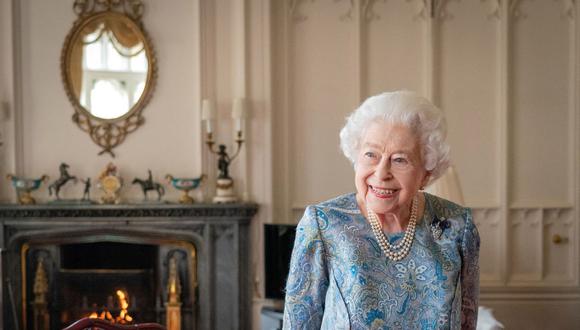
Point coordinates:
[(389, 256)]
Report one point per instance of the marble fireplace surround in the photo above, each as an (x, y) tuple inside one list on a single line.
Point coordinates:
[(219, 233)]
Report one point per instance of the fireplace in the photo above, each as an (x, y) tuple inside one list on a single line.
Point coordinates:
[(168, 264)]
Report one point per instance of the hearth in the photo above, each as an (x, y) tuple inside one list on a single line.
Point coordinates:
[(168, 264)]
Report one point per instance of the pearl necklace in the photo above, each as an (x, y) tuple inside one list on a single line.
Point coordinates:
[(400, 250)]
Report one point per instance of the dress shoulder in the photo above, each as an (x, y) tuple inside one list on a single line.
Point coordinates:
[(444, 213), (445, 209), (345, 203), (329, 216)]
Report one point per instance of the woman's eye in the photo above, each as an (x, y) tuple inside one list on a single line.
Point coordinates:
[(400, 160), (370, 154)]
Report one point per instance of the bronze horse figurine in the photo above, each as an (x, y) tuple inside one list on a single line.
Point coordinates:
[(61, 181), (148, 184)]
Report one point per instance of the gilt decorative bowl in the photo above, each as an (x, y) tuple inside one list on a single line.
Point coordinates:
[(25, 186), (185, 185)]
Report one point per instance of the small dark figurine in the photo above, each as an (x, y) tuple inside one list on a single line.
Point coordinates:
[(148, 184), (61, 181), (87, 191), (223, 162)]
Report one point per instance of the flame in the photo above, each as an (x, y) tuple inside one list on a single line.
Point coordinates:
[(123, 317)]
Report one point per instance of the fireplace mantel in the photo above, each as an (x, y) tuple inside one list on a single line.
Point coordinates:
[(239, 212), (219, 233)]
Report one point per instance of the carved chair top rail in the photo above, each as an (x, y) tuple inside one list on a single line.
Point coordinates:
[(88, 324)]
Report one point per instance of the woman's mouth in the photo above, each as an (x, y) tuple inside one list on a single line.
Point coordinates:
[(383, 193)]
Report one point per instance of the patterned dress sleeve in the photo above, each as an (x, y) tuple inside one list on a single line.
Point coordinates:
[(308, 277), (469, 275)]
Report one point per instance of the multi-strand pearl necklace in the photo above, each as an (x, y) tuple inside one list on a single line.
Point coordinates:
[(400, 250)]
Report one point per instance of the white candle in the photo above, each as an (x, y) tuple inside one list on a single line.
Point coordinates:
[(208, 128), (238, 113), (207, 113)]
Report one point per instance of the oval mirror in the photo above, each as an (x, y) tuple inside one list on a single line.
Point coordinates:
[(108, 70)]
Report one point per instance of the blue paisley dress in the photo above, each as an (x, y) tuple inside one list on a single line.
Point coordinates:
[(340, 279)]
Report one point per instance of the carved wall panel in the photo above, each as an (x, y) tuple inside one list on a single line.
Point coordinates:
[(466, 88), (525, 246), (392, 48), (559, 243), (541, 107), (488, 224), (320, 64)]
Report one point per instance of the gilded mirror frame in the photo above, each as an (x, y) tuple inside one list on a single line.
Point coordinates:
[(108, 133)]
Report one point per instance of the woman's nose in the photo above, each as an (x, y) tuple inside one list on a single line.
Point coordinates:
[(383, 170)]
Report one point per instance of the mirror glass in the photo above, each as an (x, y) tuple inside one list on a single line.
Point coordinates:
[(108, 65)]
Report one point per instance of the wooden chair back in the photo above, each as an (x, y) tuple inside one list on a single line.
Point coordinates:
[(98, 324)]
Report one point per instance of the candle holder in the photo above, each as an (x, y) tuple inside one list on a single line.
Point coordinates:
[(224, 182)]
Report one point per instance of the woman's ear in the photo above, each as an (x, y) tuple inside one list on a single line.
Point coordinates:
[(425, 180)]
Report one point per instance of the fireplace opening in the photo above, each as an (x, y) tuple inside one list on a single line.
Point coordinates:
[(122, 282), (109, 280)]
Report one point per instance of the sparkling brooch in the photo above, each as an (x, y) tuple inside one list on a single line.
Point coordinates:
[(438, 226)]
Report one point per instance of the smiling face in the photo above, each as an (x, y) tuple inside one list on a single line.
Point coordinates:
[(389, 169)]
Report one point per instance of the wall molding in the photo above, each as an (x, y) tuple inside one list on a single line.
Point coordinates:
[(503, 120), (367, 9), (293, 10), (440, 9), (569, 9), (575, 136), (198, 34), (482, 215), (515, 10), (549, 294), (239, 81), (495, 10), (348, 15), (17, 152)]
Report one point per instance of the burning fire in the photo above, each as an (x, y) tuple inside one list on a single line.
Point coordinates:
[(123, 318)]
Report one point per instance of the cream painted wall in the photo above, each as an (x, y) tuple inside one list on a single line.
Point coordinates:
[(169, 142)]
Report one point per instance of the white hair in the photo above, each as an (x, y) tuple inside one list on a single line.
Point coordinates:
[(406, 108)]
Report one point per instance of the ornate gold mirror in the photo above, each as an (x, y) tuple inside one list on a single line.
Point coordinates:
[(108, 69)]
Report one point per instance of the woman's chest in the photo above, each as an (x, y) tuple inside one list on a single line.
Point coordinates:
[(358, 266)]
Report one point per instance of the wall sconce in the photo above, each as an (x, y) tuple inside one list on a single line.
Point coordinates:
[(224, 182)]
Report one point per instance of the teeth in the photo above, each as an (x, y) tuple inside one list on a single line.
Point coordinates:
[(382, 191)]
